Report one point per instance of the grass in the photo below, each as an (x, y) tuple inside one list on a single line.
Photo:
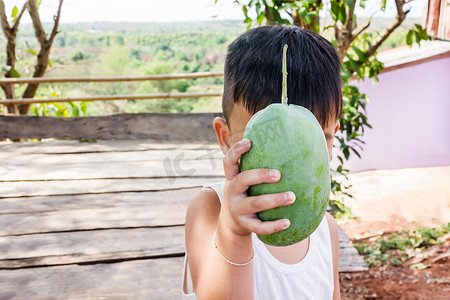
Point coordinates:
[(340, 212), (397, 247)]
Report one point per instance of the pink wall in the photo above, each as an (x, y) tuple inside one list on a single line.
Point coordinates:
[(409, 111)]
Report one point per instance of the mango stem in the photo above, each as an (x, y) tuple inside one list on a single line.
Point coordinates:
[(284, 99)]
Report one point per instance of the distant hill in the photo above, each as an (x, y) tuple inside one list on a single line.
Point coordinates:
[(135, 49), (205, 26)]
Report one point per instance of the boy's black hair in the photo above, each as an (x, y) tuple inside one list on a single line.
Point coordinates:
[(253, 71)]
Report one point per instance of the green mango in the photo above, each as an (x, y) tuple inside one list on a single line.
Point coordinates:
[(290, 139)]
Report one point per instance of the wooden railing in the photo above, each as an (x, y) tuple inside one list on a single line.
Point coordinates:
[(154, 126), (12, 81)]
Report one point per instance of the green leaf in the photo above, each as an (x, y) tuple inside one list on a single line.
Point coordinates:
[(75, 110), (315, 27), (32, 51), (350, 4), (14, 73), (245, 10), (260, 18), (258, 8), (269, 3), (361, 55), (6, 68), (14, 13), (335, 10), (50, 63), (83, 107), (419, 266), (342, 14), (409, 37), (383, 5), (304, 14)]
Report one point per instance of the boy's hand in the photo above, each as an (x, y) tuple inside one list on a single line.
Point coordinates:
[(238, 211)]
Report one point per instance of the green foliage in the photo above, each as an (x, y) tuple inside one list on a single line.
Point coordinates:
[(115, 60), (77, 56), (417, 34), (186, 47), (358, 62), (14, 13), (57, 109), (340, 212), (395, 248)]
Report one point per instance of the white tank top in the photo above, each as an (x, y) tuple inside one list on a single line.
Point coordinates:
[(311, 278)]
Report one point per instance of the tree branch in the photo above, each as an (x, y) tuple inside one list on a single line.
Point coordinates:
[(44, 52), (355, 33), (4, 21), (55, 26), (16, 23), (10, 34), (400, 17), (348, 26), (38, 29), (344, 36), (269, 19)]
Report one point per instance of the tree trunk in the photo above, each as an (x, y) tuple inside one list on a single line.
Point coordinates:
[(44, 52), (10, 33), (39, 71)]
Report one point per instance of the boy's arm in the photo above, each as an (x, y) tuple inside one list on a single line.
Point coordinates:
[(212, 277), (334, 233), (234, 220)]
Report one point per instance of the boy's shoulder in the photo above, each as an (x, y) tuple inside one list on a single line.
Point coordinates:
[(204, 205), (333, 226), (331, 221)]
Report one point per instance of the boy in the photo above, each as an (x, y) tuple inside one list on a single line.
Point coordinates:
[(226, 259)]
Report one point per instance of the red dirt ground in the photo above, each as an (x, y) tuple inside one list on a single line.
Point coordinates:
[(390, 200)]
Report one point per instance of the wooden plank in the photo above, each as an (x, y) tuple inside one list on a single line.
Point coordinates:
[(83, 247), (114, 97), (17, 189), (88, 219), (64, 147), (156, 279), (111, 78), (142, 279), (171, 202), (349, 258), (167, 168), (153, 126), (30, 205), (101, 158), (90, 246)]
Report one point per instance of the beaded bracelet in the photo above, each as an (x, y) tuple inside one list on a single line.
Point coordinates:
[(230, 262)]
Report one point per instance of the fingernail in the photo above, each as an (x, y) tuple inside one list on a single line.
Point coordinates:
[(274, 174), (289, 196), (245, 142), (286, 223)]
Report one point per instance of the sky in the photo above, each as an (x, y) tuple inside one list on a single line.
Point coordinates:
[(74, 11)]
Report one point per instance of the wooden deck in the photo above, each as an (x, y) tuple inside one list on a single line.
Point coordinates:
[(102, 220)]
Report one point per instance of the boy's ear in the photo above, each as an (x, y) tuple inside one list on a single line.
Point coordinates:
[(338, 125), (222, 133)]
